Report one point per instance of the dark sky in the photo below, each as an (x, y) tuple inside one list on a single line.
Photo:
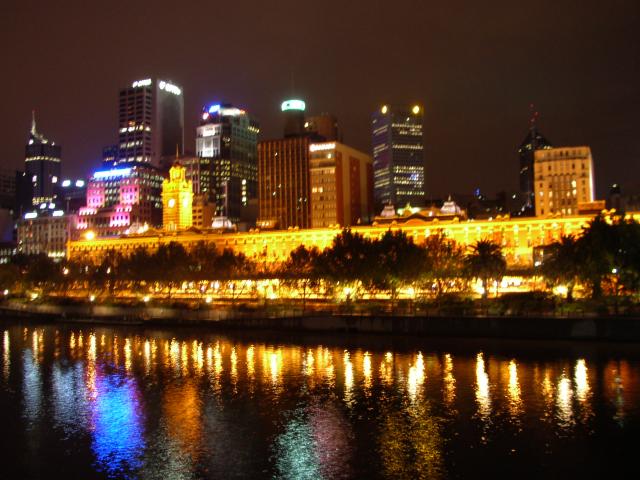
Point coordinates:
[(475, 65)]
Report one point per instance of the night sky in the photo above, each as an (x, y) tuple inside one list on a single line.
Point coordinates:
[(476, 66)]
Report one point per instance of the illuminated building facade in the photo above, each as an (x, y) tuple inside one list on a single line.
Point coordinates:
[(534, 141), (203, 212), (42, 167), (341, 185), (398, 156), (225, 169), (177, 200), (46, 232), (150, 123), (121, 199), (518, 237), (283, 187), (563, 180)]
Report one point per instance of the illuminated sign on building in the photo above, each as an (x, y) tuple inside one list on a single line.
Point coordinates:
[(293, 104), (168, 87), (317, 147), (116, 172), (141, 83), (209, 130)]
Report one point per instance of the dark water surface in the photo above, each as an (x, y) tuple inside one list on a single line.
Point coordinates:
[(102, 402)]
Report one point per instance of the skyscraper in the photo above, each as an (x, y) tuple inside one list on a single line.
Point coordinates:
[(283, 173), (42, 167), (293, 115), (398, 156), (532, 142), (150, 122), (226, 168)]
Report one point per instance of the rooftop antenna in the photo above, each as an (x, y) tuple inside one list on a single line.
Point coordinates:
[(534, 116), (33, 123)]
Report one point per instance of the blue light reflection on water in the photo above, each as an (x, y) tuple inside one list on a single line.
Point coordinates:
[(117, 424), (121, 403)]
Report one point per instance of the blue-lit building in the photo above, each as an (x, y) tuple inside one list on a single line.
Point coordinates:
[(398, 156), (225, 169)]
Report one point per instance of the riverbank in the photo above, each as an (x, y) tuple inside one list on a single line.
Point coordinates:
[(595, 328)]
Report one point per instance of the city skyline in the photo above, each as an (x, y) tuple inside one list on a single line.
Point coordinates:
[(577, 67)]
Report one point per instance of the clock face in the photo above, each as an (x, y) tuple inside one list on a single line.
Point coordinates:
[(172, 202)]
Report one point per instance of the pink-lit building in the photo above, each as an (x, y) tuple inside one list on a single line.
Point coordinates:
[(121, 200)]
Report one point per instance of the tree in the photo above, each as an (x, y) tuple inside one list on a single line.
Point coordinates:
[(399, 262), (625, 272), (444, 264), (596, 254), (486, 263), (350, 259), (300, 270), (43, 272), (561, 265), (170, 265), (106, 275)]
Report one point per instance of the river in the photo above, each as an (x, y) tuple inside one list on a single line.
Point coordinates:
[(119, 402)]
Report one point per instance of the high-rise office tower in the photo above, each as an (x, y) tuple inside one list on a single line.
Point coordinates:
[(150, 122), (293, 115), (42, 167), (398, 156), (225, 170), (563, 180), (532, 142), (283, 173), (341, 185), (283, 187)]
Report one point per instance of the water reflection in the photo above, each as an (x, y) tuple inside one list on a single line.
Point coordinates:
[(449, 390), (514, 393), (117, 424), (564, 401), (163, 406), (483, 397), (348, 378), (6, 356), (31, 387)]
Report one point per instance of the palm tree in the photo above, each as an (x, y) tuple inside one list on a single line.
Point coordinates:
[(486, 263)]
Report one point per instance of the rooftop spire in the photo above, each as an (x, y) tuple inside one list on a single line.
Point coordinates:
[(33, 123), (534, 116)]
